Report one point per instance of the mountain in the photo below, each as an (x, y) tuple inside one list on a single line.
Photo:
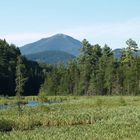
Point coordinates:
[(118, 52), (58, 42), (51, 57)]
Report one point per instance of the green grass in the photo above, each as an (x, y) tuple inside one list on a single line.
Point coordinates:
[(77, 118)]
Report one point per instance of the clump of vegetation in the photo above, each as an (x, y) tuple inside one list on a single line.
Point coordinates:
[(99, 102), (26, 122), (122, 101), (42, 97), (6, 124)]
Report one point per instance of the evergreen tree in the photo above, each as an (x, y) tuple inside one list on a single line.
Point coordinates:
[(20, 80), (108, 69), (129, 67), (84, 68), (96, 54)]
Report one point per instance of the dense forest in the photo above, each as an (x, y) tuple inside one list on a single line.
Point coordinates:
[(94, 72), (8, 62)]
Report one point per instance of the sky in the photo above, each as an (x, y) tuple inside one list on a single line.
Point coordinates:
[(99, 21)]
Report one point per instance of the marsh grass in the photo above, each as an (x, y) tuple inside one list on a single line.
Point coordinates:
[(77, 118), (122, 101), (6, 125)]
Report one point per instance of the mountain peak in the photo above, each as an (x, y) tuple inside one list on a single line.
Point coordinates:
[(60, 34), (58, 42)]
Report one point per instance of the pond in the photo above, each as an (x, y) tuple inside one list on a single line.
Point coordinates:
[(29, 104)]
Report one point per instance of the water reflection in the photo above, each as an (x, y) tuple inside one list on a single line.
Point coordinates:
[(29, 104)]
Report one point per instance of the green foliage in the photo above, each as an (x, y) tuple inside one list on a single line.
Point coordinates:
[(102, 117), (6, 125), (122, 101), (8, 63), (20, 77), (99, 102), (42, 96), (8, 55), (20, 81), (96, 72)]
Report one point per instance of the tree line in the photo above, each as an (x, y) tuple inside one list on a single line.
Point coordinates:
[(9, 57), (96, 72)]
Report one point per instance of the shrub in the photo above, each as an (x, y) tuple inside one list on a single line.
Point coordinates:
[(42, 97), (26, 123), (6, 125), (99, 102), (122, 101)]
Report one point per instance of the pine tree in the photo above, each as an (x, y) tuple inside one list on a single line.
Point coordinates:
[(129, 66), (20, 80), (108, 69)]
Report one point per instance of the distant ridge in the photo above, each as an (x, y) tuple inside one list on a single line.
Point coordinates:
[(118, 52), (58, 42), (51, 57)]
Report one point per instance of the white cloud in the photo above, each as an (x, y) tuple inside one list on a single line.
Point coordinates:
[(114, 34)]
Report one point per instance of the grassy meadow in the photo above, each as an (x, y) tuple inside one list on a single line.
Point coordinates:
[(75, 118)]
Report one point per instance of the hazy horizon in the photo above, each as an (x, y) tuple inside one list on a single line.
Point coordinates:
[(110, 22)]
